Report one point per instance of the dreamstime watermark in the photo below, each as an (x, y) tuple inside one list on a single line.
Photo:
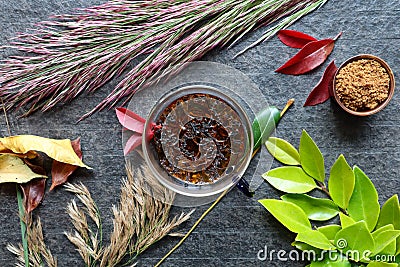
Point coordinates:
[(339, 254)]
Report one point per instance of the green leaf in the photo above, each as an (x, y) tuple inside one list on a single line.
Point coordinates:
[(341, 182), (381, 264), (290, 215), (306, 247), (389, 249), (333, 260), (398, 246), (384, 239), (315, 239), (311, 158), (317, 209), (364, 203), (355, 238), (382, 229), (264, 124), (390, 213), (330, 231), (24, 236), (283, 151), (290, 179), (309, 252), (345, 220)]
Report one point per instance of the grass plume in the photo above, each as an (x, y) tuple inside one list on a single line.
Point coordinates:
[(77, 53), (86, 239), (139, 221), (39, 255)]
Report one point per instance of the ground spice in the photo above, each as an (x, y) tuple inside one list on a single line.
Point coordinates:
[(362, 85)]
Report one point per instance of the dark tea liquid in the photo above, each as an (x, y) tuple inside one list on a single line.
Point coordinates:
[(202, 139)]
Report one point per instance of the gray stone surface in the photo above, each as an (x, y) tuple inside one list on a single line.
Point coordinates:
[(238, 228)]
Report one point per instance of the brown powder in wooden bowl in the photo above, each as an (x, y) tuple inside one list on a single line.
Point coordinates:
[(362, 85)]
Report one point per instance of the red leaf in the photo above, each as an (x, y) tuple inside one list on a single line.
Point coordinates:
[(130, 120), (154, 127), (33, 193), (322, 91), (134, 141), (61, 171), (309, 57), (135, 123), (295, 39)]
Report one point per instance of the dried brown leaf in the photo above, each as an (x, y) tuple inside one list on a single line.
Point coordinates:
[(33, 193), (61, 171)]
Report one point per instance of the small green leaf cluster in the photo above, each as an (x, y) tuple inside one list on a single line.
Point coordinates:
[(367, 234)]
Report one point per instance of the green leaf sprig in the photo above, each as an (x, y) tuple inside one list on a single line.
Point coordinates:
[(366, 232)]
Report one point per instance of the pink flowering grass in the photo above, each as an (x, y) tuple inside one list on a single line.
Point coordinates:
[(72, 54)]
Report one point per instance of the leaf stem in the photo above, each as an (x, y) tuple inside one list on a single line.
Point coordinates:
[(337, 36), (23, 225), (193, 227), (255, 152), (288, 105), (323, 188)]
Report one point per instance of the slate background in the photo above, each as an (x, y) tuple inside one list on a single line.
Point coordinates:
[(238, 228)]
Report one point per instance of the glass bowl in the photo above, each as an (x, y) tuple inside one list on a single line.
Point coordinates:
[(381, 105), (214, 127)]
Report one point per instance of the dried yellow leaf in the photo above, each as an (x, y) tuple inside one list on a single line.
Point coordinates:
[(2, 148), (60, 150), (28, 155), (14, 170)]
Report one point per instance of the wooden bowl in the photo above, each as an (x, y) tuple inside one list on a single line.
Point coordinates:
[(380, 106)]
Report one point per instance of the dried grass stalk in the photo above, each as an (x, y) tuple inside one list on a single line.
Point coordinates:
[(85, 197), (86, 240), (139, 221), (39, 254)]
